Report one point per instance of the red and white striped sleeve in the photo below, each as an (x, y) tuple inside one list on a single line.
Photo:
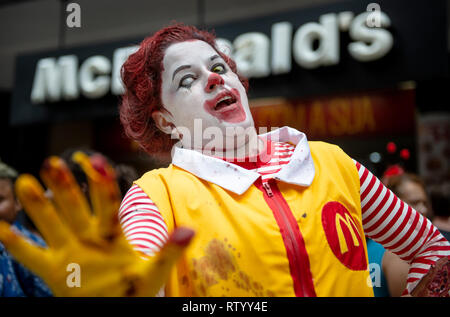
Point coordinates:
[(141, 222), (399, 228)]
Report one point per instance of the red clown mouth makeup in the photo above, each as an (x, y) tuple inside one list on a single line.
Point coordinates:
[(226, 106)]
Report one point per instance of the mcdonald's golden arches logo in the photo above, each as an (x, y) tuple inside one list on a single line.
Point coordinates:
[(344, 236)]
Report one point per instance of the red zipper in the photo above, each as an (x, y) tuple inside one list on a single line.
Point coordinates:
[(292, 238)]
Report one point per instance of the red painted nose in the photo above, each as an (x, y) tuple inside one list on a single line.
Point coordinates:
[(213, 80)]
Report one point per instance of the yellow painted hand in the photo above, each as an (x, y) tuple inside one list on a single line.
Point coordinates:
[(89, 244)]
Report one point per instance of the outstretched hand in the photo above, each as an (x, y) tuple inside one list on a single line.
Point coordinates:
[(436, 282), (90, 240)]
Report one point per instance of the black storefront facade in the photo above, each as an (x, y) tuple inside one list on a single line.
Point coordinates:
[(351, 73)]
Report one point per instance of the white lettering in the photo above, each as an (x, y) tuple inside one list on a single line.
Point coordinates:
[(281, 47), (199, 307), (74, 278), (119, 57), (326, 34), (74, 18), (380, 40), (374, 278), (345, 19), (374, 16), (91, 86), (252, 54), (246, 306), (225, 46), (54, 79), (256, 55)]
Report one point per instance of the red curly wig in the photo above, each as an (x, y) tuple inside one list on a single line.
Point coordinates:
[(141, 75)]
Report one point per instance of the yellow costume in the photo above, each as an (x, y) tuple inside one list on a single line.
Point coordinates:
[(300, 234)]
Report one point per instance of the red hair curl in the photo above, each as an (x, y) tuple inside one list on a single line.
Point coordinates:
[(141, 75)]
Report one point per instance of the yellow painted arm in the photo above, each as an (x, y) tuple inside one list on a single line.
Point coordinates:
[(87, 253)]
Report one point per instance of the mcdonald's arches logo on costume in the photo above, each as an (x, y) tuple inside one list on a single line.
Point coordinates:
[(343, 236)]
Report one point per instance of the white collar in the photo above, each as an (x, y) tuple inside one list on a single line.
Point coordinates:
[(299, 171)]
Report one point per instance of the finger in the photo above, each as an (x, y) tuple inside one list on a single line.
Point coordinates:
[(163, 263), (103, 191), (67, 195), (32, 256), (41, 211)]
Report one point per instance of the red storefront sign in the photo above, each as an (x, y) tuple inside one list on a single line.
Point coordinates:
[(362, 114)]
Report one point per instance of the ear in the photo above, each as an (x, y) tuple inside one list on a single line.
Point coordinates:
[(163, 122)]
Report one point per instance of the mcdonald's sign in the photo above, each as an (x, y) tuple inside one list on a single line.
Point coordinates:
[(344, 236)]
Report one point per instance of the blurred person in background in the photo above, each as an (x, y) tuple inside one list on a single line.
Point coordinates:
[(15, 279), (410, 188)]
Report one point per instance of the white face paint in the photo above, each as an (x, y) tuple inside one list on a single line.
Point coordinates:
[(202, 93)]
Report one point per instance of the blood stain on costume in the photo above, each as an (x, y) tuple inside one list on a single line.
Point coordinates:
[(219, 263), (206, 270), (246, 279), (220, 260)]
